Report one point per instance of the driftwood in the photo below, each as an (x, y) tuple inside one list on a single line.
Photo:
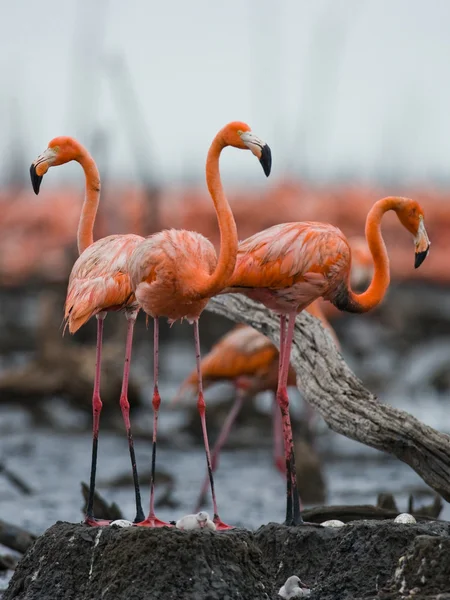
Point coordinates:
[(15, 538), (358, 512), (329, 385), (64, 368), (101, 506), (15, 480)]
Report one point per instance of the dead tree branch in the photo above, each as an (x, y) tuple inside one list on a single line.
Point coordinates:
[(347, 407)]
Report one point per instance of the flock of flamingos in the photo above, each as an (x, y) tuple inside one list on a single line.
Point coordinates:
[(174, 273)]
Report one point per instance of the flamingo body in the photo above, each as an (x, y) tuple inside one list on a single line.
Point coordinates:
[(99, 280), (244, 356), (288, 266), (165, 269)]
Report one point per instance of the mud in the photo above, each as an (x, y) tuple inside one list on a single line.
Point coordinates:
[(364, 559)]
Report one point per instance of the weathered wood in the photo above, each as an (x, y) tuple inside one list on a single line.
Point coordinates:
[(15, 538), (101, 507), (328, 384), (359, 512)]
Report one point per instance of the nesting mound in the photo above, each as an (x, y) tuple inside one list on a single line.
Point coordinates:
[(364, 559)]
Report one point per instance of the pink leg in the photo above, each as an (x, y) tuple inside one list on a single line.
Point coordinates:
[(125, 406), (282, 343), (202, 410), (278, 452), (293, 513), (223, 436), (152, 520), (96, 410)]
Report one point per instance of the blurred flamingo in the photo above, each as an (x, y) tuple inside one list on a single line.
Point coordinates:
[(175, 272), (288, 266), (99, 283), (249, 360)]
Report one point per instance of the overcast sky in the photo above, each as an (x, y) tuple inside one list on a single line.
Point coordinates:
[(336, 87)]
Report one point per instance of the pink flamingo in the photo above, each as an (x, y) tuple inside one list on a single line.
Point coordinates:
[(99, 283), (175, 272), (288, 266)]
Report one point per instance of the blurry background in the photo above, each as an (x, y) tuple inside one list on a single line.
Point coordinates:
[(353, 99)]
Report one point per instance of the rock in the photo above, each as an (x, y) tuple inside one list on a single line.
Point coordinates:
[(140, 563), (358, 561), (423, 572), (366, 557)]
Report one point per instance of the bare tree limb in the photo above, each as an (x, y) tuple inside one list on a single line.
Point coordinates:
[(347, 407)]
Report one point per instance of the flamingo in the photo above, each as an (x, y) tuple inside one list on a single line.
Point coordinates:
[(175, 272), (99, 283), (249, 360), (288, 266)]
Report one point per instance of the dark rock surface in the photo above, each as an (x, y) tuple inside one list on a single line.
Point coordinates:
[(364, 559)]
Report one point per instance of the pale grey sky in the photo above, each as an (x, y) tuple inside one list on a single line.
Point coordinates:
[(359, 87)]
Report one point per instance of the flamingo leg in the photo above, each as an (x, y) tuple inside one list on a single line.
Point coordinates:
[(96, 410), (125, 407), (282, 343), (223, 436), (278, 453), (202, 410), (293, 512), (152, 520)]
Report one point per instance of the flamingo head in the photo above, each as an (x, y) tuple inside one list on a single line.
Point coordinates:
[(202, 518), (411, 216), (59, 151), (239, 135)]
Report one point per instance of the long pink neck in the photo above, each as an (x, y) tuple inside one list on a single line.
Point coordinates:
[(376, 291), (85, 235), (214, 283)]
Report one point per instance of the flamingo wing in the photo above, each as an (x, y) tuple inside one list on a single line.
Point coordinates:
[(288, 266), (243, 351), (99, 279)]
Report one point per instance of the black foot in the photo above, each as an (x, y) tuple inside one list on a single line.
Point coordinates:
[(139, 516)]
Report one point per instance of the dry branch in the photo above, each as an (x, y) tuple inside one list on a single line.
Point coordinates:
[(347, 407), (15, 537)]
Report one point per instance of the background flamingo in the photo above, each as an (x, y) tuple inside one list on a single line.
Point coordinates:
[(98, 283), (250, 360), (175, 272), (288, 266)]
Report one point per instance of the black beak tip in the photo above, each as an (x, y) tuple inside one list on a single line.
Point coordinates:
[(420, 257), (266, 160), (35, 179)]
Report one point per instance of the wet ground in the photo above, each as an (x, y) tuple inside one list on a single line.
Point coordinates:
[(404, 357), (250, 491)]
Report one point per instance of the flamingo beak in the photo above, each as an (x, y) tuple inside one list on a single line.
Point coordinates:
[(260, 149), (40, 167), (266, 159), (422, 244), (35, 179), (202, 524)]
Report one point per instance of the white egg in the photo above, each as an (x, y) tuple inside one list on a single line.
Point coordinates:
[(333, 523), (121, 523), (405, 518)]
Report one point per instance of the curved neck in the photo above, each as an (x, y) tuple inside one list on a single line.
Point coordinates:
[(85, 235), (214, 283), (381, 276)]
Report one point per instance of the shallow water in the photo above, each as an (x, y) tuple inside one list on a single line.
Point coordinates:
[(250, 491)]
